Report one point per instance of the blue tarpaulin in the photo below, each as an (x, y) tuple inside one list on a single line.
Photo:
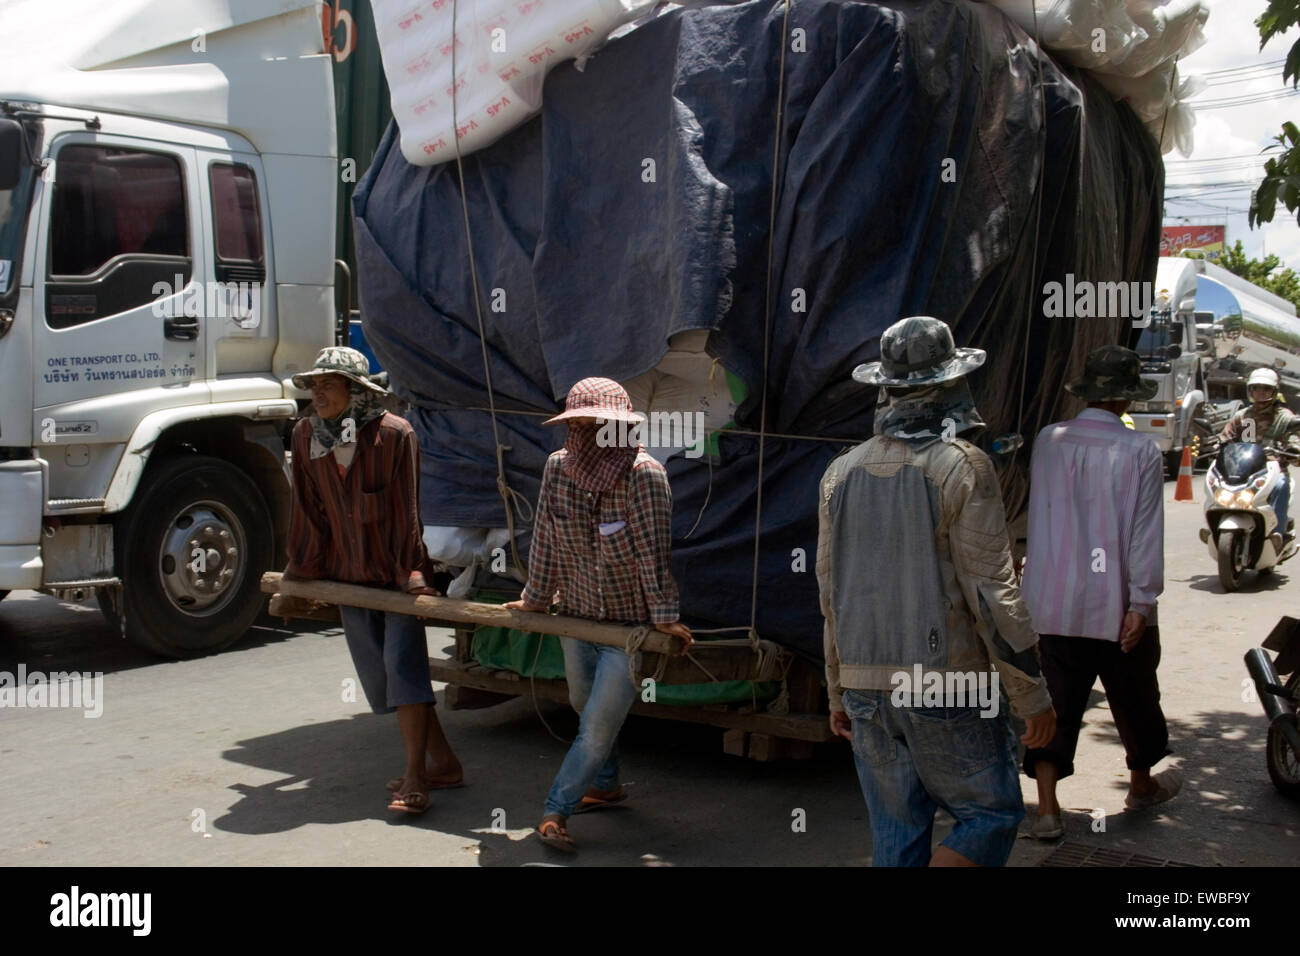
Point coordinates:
[(929, 163)]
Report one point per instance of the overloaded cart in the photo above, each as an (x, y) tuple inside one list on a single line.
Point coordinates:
[(722, 208)]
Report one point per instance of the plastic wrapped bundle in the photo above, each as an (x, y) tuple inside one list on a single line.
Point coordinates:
[(1131, 46), (1093, 34), (502, 52)]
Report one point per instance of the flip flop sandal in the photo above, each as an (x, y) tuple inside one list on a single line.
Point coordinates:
[(415, 802), (599, 803), (554, 835)]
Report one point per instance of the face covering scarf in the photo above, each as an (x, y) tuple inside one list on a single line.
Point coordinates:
[(929, 412), (591, 467), (365, 407)]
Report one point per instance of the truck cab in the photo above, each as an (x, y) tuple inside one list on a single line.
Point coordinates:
[(167, 216), (1168, 347)]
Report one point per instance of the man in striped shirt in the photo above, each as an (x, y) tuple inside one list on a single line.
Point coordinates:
[(356, 519), (1094, 569)]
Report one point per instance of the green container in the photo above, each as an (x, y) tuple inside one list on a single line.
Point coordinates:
[(529, 653)]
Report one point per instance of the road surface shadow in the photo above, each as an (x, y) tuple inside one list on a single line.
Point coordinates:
[(1252, 581), (1227, 814), (47, 634), (781, 813)]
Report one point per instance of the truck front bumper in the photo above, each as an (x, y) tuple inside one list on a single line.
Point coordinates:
[(20, 566), (1159, 428)]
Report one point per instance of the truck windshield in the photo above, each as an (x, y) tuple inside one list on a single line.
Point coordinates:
[(14, 206), (1155, 337)]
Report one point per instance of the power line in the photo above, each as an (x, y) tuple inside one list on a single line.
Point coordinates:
[(1239, 69), (1209, 159), (1246, 99)]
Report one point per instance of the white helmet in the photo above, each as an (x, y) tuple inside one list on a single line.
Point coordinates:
[(1262, 376)]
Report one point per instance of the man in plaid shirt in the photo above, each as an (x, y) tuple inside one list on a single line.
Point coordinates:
[(601, 543)]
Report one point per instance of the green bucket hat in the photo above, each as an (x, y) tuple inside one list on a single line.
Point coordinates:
[(1111, 373), (339, 360)]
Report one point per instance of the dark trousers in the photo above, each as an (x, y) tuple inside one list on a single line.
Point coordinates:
[(1071, 666)]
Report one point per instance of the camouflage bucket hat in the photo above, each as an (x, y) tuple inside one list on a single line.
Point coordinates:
[(1111, 373), (339, 360), (918, 351)]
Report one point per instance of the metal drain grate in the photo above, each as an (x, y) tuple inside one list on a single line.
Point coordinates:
[(1080, 854)]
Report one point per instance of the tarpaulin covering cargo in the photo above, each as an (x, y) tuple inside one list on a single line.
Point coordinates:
[(929, 162)]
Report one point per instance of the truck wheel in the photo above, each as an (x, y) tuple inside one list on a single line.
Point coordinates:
[(1283, 761), (1232, 559), (191, 553)]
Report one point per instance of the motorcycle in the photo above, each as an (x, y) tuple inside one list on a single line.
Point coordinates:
[(1280, 703), (1242, 532)]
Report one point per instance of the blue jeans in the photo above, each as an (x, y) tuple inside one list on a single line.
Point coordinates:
[(1279, 500), (911, 761), (601, 690)]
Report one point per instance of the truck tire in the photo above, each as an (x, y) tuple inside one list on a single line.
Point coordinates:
[(1283, 761), (191, 552), (1232, 559)]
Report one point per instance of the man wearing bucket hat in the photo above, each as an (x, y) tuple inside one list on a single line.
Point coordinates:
[(601, 543), (356, 519), (1266, 419), (917, 588), (1094, 568)]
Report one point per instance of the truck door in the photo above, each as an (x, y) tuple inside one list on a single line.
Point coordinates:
[(1187, 365), (118, 298), (243, 337)]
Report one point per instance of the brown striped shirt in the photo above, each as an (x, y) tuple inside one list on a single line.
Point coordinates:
[(362, 527)]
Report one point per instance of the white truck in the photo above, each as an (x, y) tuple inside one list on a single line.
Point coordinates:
[(1206, 329), (168, 174)]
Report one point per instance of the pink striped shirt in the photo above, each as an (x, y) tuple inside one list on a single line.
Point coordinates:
[(1096, 527)]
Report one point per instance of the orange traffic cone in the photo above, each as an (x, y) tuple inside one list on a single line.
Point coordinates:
[(1183, 492)]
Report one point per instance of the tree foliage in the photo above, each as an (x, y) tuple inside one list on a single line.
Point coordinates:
[(1282, 171), (1262, 272)]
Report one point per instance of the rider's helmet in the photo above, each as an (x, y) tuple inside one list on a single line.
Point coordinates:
[(1263, 376)]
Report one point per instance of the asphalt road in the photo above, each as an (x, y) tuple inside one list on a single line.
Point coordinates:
[(256, 757)]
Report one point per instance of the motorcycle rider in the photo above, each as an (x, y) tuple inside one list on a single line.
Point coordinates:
[(1266, 419)]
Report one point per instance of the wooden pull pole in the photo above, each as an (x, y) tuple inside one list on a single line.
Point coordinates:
[(468, 612)]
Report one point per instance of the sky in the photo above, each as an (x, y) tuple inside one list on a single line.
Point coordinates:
[(1215, 182)]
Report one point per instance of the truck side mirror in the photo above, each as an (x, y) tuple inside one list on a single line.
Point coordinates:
[(13, 148), (1176, 333), (1173, 351)]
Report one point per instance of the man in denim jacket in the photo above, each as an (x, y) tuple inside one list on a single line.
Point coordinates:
[(924, 624)]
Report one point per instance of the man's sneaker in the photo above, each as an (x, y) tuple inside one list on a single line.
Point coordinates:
[(1048, 827), (1168, 783)]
